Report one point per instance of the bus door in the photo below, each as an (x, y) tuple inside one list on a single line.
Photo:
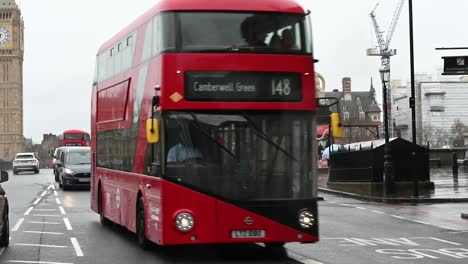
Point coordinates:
[(152, 184)]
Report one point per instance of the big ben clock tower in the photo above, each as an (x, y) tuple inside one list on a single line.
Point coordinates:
[(11, 80)]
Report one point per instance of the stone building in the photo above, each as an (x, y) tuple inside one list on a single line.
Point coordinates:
[(360, 113), (11, 79)]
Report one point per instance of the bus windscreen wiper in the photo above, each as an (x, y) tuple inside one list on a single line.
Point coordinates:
[(197, 124), (257, 131)]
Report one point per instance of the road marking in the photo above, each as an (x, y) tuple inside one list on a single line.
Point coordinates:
[(16, 227), (77, 247), (40, 245), (67, 224), (51, 187), (62, 210), (28, 211), (35, 262), (1, 251), (399, 217), (45, 210), (377, 212), (438, 239), (47, 215), (43, 193), (42, 232), (310, 261), (45, 223), (37, 201), (58, 201), (55, 193), (362, 208)]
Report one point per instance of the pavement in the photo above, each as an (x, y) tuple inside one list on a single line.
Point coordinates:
[(449, 188)]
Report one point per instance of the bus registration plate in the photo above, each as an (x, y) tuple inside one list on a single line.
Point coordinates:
[(248, 233)]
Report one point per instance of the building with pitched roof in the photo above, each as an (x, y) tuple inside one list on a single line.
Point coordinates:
[(360, 113)]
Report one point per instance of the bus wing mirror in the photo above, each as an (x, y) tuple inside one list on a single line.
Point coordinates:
[(152, 131), (4, 176), (337, 129)]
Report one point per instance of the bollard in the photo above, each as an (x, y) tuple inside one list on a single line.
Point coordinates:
[(454, 163)]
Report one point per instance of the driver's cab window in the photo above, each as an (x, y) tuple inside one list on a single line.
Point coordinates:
[(183, 141), (153, 165)]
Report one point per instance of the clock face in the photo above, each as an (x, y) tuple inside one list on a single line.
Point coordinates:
[(4, 35)]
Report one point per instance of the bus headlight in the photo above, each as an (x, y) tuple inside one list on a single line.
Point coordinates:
[(184, 222), (306, 219)]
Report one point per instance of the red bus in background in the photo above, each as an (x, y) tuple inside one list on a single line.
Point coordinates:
[(200, 125), (75, 138)]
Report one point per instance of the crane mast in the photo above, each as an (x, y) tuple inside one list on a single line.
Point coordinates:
[(384, 52)]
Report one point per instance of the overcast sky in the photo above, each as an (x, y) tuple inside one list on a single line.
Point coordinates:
[(62, 38)]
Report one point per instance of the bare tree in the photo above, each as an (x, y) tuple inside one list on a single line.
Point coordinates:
[(458, 130), (437, 137)]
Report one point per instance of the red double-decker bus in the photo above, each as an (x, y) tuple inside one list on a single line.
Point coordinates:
[(202, 113), (75, 138)]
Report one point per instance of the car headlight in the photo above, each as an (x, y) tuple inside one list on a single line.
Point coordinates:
[(306, 219), (68, 171), (184, 222)]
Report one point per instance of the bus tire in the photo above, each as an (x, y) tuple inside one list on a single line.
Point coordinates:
[(141, 224), (102, 218)]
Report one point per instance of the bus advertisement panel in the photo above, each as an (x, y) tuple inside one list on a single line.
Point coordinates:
[(202, 113)]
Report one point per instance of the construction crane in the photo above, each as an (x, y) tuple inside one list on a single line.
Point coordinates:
[(384, 52)]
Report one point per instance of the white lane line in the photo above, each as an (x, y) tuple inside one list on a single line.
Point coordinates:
[(39, 245), (1, 251), (43, 193), (35, 262), (44, 223), (16, 227), (62, 210), (399, 217), (46, 210), (67, 224), (28, 211), (377, 212), (58, 201), (37, 201), (55, 193), (362, 208), (46, 215), (42, 232), (76, 245), (310, 261), (51, 187)]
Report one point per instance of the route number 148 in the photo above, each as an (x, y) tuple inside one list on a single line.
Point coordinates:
[(281, 87)]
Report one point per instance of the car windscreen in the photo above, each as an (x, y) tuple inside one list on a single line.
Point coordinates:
[(78, 158), (25, 157)]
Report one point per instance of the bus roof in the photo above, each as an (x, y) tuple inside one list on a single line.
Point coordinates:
[(286, 6), (74, 131)]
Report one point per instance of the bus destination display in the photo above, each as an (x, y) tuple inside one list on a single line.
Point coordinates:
[(243, 86)]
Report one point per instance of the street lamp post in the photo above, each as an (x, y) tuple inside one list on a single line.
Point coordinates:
[(388, 181)]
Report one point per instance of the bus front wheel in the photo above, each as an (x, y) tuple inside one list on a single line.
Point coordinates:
[(141, 224)]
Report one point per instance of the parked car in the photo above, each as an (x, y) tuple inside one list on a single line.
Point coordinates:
[(4, 219), (25, 162), (74, 167), (56, 156)]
